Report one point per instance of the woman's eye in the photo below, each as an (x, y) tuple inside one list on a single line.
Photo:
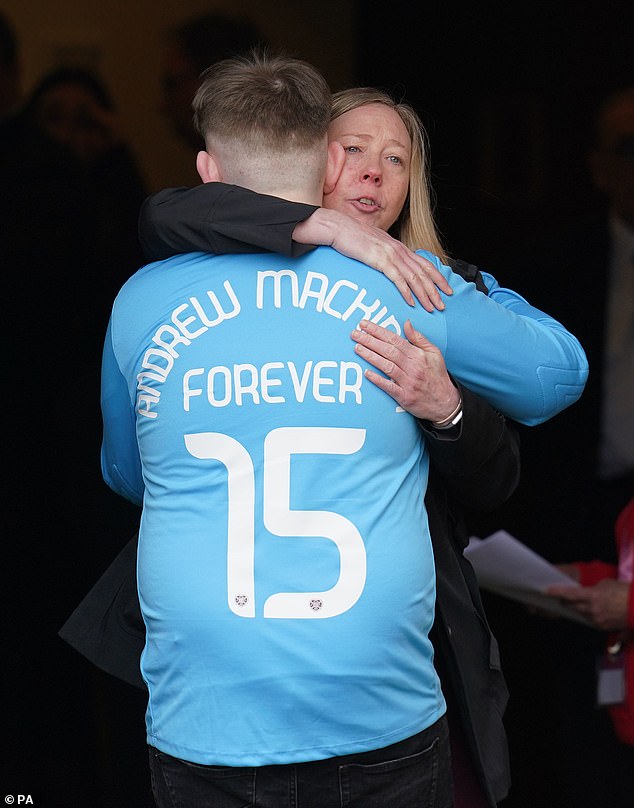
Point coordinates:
[(394, 159), (352, 149)]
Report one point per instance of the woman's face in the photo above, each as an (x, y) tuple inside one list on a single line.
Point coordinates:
[(374, 182)]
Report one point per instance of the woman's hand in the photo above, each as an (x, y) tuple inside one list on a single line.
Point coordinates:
[(417, 376), (411, 273)]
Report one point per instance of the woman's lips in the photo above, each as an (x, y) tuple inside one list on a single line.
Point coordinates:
[(365, 204)]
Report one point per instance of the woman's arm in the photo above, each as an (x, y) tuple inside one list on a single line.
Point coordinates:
[(219, 218)]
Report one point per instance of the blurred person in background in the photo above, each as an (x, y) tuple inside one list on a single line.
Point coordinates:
[(604, 595), (73, 107), (190, 48), (577, 473), (48, 237), (10, 70)]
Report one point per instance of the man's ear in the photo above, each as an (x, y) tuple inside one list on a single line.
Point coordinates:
[(207, 167), (334, 167)]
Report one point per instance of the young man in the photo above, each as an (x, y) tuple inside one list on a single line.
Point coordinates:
[(285, 566)]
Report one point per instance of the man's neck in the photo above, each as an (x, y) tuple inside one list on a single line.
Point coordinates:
[(277, 186), (296, 176)]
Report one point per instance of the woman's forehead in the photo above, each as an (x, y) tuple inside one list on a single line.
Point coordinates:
[(371, 120)]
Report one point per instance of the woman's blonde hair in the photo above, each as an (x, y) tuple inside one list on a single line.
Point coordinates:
[(415, 226)]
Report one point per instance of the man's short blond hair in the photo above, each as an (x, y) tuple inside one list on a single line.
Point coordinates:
[(270, 103)]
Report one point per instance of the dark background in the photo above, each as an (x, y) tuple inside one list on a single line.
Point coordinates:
[(507, 92)]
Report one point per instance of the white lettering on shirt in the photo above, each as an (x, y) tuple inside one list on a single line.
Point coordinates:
[(325, 381)]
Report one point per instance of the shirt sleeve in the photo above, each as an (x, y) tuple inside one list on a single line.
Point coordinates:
[(221, 219), (120, 459), (524, 362), (591, 572)]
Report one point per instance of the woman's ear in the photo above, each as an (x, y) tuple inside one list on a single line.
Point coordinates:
[(207, 167), (334, 167)]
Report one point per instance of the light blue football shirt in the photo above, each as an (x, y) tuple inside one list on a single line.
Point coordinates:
[(285, 567)]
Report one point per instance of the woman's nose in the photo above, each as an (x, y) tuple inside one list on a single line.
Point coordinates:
[(371, 175)]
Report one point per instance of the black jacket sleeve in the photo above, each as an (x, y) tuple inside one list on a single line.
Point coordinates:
[(219, 218), (479, 462)]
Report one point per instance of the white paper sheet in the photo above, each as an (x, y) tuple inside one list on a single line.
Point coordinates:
[(509, 568)]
